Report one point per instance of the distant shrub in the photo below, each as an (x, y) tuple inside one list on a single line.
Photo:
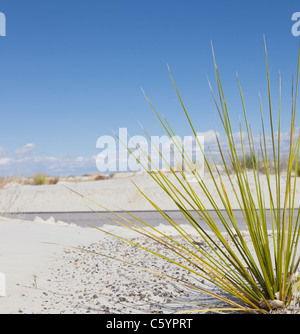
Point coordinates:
[(250, 161), (53, 180), (2, 182), (41, 179), (99, 177)]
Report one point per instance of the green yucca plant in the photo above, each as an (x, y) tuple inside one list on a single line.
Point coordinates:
[(263, 279)]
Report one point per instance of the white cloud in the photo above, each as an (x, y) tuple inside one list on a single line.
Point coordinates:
[(25, 150), (27, 161), (209, 136), (80, 159), (2, 152), (4, 161)]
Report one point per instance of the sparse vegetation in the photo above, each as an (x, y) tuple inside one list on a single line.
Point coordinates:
[(39, 179), (250, 161), (45, 179), (53, 180), (42, 179), (99, 177), (255, 275), (2, 182)]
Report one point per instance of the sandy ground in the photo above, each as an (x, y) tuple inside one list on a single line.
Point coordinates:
[(45, 275)]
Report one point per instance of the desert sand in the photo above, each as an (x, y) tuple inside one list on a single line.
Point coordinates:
[(44, 274), (47, 278)]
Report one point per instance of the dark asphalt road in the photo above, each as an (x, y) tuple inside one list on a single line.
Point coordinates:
[(153, 218)]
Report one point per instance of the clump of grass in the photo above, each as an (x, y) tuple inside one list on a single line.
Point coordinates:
[(99, 177), (2, 182), (40, 179), (6, 180), (53, 180), (260, 277), (249, 161), (43, 179)]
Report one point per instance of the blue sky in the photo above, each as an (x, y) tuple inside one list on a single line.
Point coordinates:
[(72, 71)]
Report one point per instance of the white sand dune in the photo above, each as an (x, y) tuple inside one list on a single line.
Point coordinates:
[(114, 194)]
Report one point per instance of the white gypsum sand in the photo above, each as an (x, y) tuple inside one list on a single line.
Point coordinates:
[(43, 277)]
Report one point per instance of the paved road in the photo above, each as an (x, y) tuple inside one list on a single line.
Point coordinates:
[(153, 218)]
